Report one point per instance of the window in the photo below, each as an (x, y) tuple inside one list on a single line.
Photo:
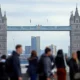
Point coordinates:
[(76, 21), (76, 26)]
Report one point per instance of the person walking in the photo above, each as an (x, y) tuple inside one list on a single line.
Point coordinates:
[(3, 73), (60, 65), (78, 54), (74, 65), (45, 66), (32, 68), (14, 62)]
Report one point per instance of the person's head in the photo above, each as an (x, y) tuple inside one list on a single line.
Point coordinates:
[(33, 53), (19, 49), (48, 51), (60, 53), (3, 57), (78, 54), (74, 55)]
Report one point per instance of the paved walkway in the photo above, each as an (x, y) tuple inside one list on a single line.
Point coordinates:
[(25, 77)]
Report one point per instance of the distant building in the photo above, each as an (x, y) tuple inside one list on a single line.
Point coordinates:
[(35, 44), (27, 49), (53, 49)]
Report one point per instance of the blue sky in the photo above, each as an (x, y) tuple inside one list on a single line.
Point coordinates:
[(19, 12)]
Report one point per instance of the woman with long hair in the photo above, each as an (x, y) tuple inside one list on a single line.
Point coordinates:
[(60, 65), (74, 67), (32, 68)]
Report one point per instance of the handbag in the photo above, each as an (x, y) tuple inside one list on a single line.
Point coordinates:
[(77, 75)]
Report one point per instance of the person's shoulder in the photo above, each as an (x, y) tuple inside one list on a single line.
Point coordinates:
[(71, 60)]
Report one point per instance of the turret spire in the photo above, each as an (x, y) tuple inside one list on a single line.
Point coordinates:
[(76, 12), (0, 11), (4, 13), (72, 17), (4, 17)]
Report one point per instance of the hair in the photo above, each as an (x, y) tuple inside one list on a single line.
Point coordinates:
[(60, 53), (18, 46), (78, 54), (47, 50), (3, 57), (33, 53)]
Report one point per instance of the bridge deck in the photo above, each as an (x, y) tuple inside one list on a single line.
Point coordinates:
[(38, 28)]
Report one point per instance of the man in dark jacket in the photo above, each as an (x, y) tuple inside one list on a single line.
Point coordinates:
[(47, 67), (16, 74)]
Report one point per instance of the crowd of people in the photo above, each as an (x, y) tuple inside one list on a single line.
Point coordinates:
[(40, 67)]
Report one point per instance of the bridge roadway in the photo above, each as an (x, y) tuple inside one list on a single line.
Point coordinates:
[(38, 28)]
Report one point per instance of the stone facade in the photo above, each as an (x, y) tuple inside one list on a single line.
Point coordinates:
[(3, 33), (75, 31)]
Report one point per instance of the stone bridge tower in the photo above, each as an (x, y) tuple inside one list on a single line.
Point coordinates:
[(75, 31), (3, 33)]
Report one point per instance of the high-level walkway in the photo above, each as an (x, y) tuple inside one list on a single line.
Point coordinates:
[(38, 28)]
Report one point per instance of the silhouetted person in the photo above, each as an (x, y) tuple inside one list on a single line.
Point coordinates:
[(3, 73), (78, 54), (60, 65), (74, 65), (32, 68), (45, 65), (16, 69)]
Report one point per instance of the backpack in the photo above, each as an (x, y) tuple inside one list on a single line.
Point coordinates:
[(40, 68), (2, 69), (9, 66)]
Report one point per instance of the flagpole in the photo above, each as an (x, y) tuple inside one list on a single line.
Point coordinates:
[(30, 22), (47, 21)]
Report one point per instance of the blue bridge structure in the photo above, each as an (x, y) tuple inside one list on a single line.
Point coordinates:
[(38, 28)]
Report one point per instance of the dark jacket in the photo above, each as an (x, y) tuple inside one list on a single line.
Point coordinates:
[(52, 60), (3, 73), (74, 68), (32, 68), (47, 66), (16, 65), (59, 62)]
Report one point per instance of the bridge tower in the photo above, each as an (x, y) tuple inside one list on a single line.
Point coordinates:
[(3, 33), (75, 31)]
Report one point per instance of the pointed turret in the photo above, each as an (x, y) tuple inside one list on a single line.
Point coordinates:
[(0, 12), (5, 15), (72, 17), (4, 18), (76, 12)]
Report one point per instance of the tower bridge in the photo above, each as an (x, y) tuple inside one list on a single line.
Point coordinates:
[(73, 28), (38, 28)]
